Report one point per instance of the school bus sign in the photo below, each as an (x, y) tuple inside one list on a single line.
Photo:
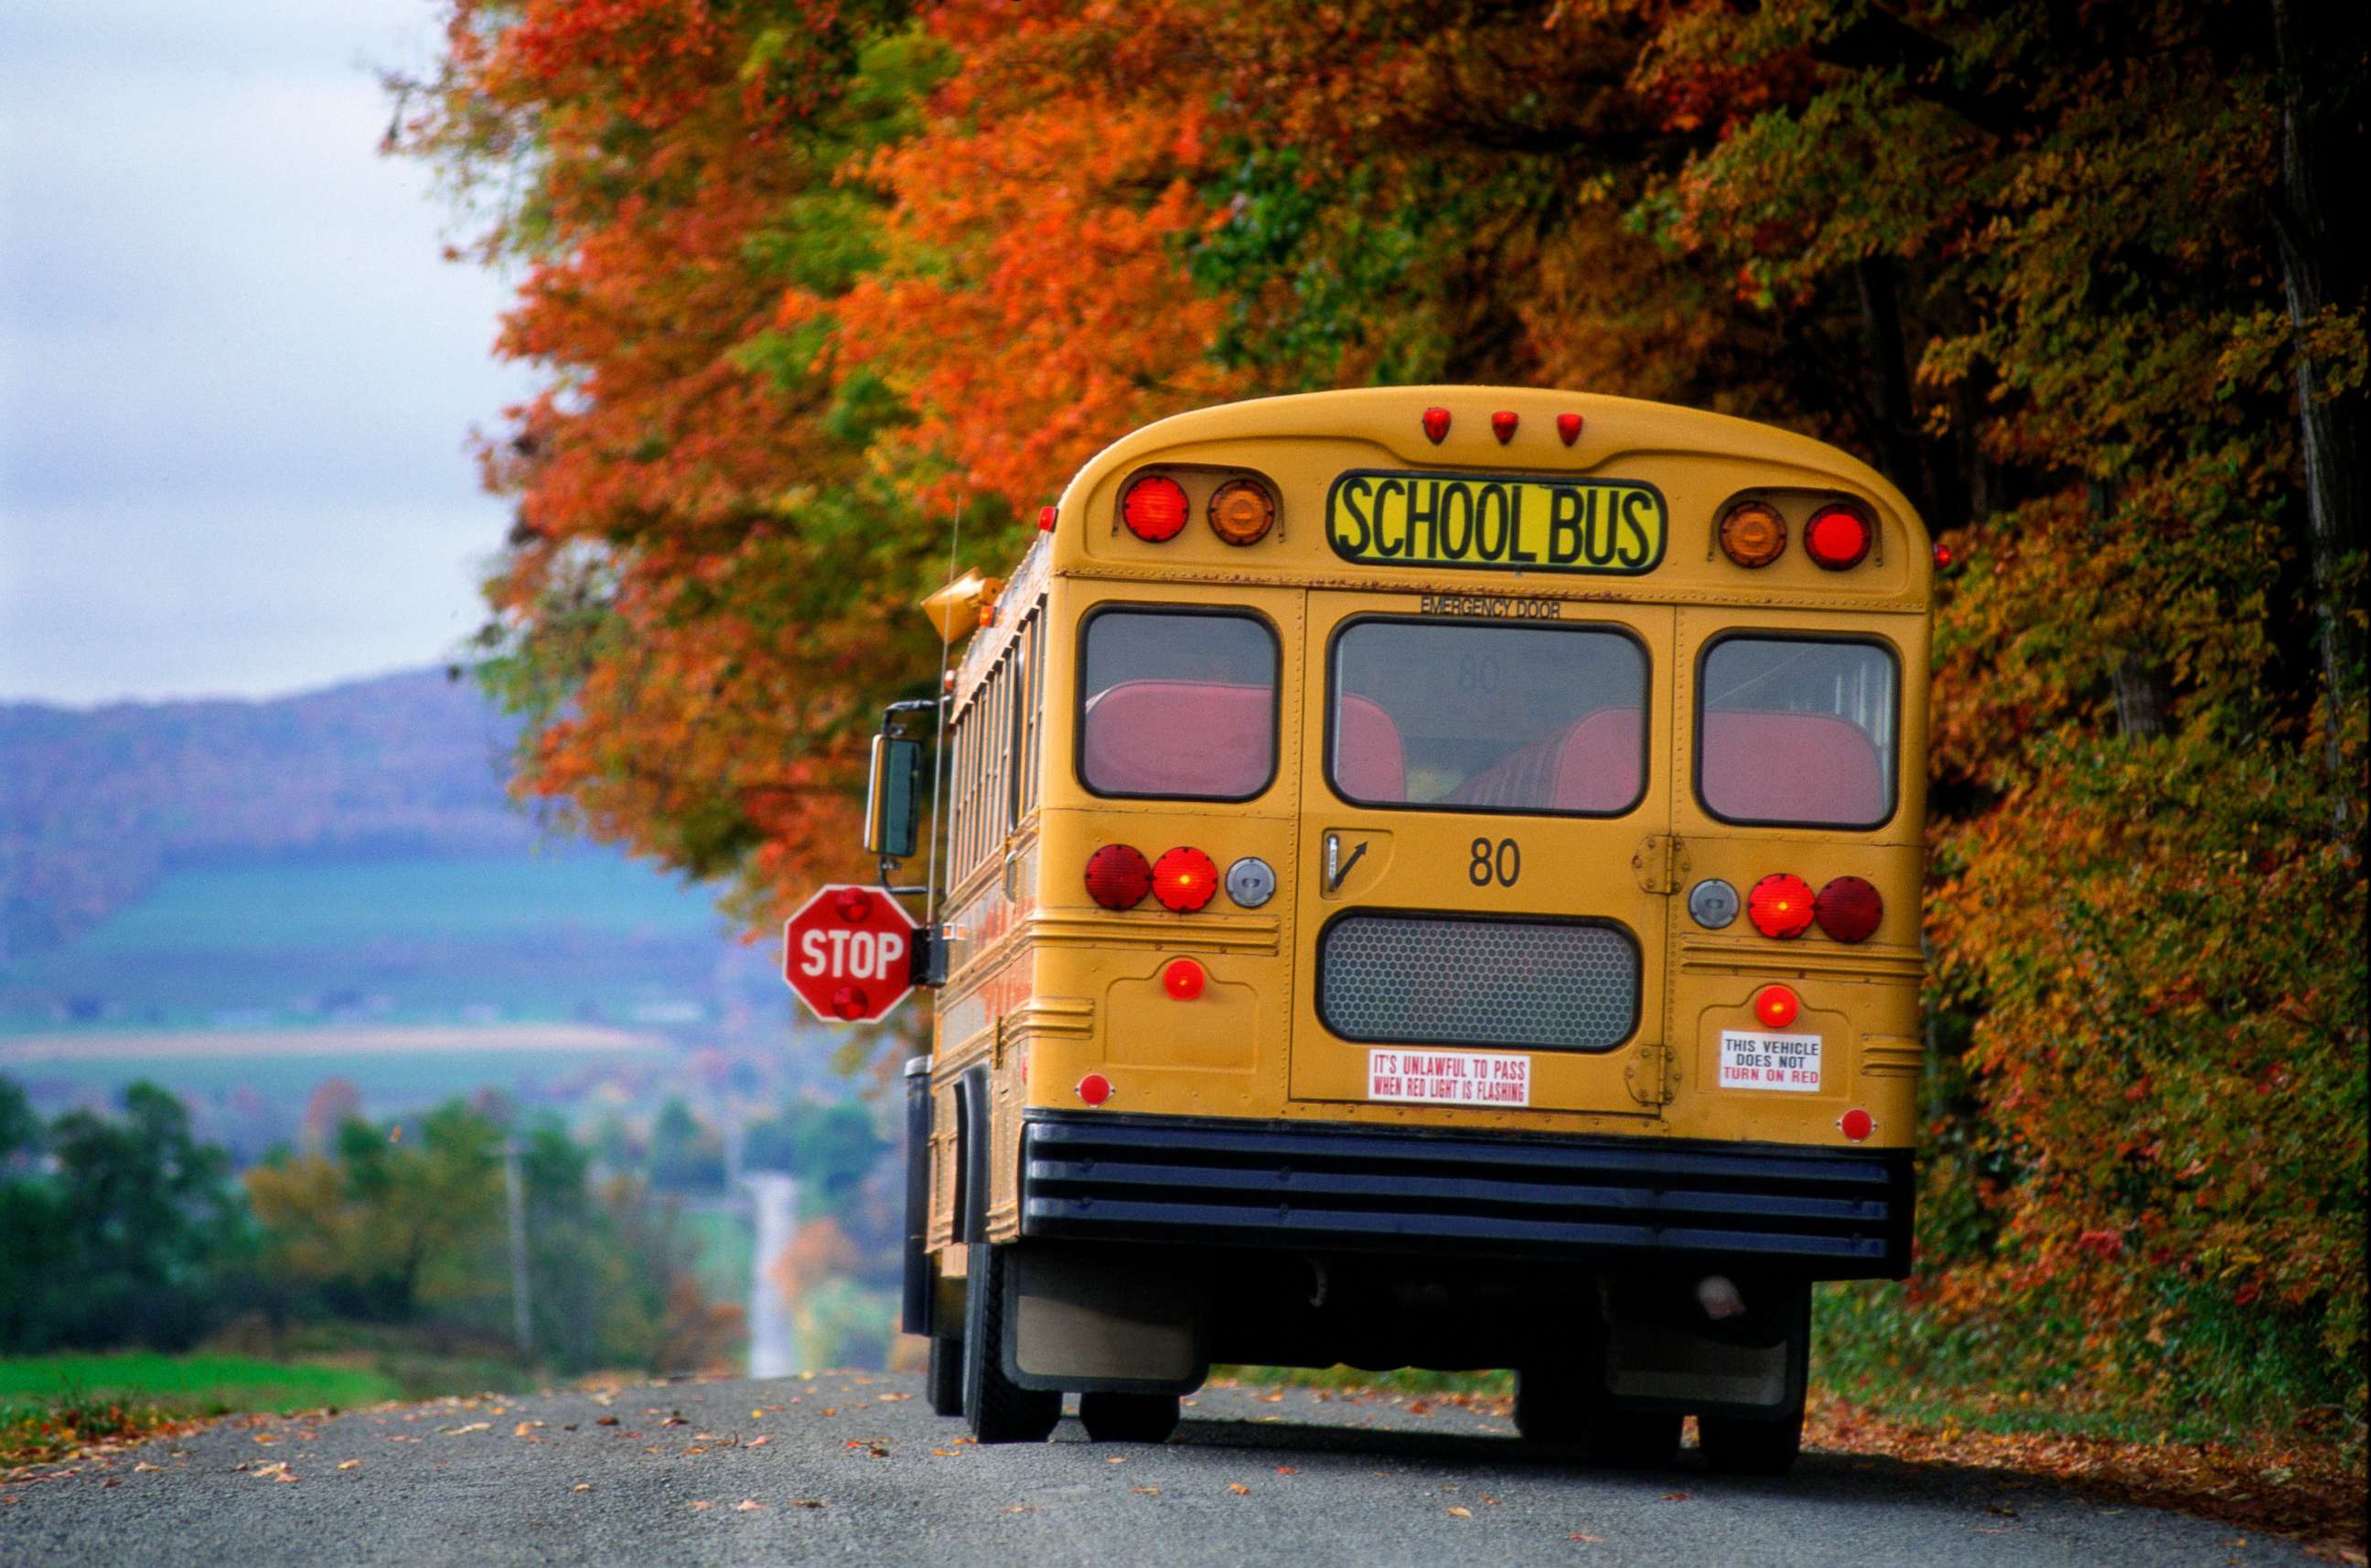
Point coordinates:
[(1390, 517), (848, 954)]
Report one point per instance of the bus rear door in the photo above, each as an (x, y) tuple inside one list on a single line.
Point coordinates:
[(1484, 855)]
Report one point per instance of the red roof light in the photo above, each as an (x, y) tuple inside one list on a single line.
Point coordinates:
[(1568, 428), (1436, 424), (1838, 538), (1502, 426)]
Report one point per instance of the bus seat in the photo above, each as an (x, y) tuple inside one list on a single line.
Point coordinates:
[(1368, 764), (1180, 738), (1790, 767), (1591, 765)]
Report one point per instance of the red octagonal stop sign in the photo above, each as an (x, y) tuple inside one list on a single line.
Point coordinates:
[(849, 953)]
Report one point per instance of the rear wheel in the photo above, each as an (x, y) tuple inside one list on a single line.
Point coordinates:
[(997, 1409), (1554, 1406), (1736, 1444), (942, 1382), (1128, 1418)]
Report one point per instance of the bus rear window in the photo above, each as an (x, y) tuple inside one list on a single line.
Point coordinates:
[(1487, 718), (1797, 731), (1178, 704)]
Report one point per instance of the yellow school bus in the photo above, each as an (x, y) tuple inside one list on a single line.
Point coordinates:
[(1428, 876)]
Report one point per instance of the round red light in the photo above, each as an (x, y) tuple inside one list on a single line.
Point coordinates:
[(1185, 879), (848, 1002), (1502, 426), (853, 907), (1943, 556), (1848, 909), (1780, 905), (1046, 518), (1837, 538), (1183, 980), (1117, 876), (1094, 1088), (1857, 1124), (1154, 508), (1776, 1006)]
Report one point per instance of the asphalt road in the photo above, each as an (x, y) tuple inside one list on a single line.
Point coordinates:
[(852, 1468)]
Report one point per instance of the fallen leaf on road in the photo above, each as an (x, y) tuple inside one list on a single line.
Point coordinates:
[(1147, 1491), (806, 1502), (894, 1399), (1116, 1459), (1020, 1508), (1578, 1536), (581, 1486), (522, 1428), (1275, 1398), (144, 1465), (606, 1421), (702, 1502), (1285, 1469), (1675, 1497), (759, 1441), (264, 1437), (942, 1453), (1238, 1488), (675, 1418), (1460, 1513), (111, 1481), (350, 1464), (473, 1426), (829, 1411), (747, 1506)]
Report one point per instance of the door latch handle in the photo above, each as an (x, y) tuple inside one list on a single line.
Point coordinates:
[(1336, 866)]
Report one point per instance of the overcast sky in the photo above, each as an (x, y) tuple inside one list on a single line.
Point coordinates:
[(237, 380)]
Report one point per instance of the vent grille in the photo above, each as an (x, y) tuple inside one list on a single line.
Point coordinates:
[(1428, 979)]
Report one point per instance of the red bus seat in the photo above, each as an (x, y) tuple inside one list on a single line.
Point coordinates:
[(1591, 765), (1199, 737), (1368, 764), (1790, 768)]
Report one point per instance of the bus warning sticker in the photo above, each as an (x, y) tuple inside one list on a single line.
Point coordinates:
[(1445, 1078), (1769, 1062), (1392, 517)]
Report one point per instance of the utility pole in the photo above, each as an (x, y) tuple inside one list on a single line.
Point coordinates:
[(514, 1192)]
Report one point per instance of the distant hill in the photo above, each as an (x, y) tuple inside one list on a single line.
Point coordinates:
[(98, 805)]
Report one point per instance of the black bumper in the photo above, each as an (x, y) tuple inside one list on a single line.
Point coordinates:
[(1829, 1215)]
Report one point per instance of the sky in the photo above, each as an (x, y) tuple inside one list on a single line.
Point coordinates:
[(237, 376)]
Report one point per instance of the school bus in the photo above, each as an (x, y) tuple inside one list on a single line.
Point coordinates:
[(1429, 877)]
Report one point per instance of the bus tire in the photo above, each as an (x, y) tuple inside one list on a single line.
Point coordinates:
[(1737, 1444), (997, 1409), (942, 1381), (1128, 1418)]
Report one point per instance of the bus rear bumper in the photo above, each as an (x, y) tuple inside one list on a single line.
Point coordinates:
[(1818, 1213)]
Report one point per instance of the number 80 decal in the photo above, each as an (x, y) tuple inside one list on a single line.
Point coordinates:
[(1495, 865)]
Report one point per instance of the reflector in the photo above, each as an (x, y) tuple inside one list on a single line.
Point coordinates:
[(1436, 423), (1117, 876), (1154, 508), (1568, 428), (1857, 1124), (1837, 537), (1780, 905), (1185, 879), (1502, 426), (1045, 516), (1094, 1088)]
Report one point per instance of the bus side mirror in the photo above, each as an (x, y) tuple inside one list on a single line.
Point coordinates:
[(893, 800)]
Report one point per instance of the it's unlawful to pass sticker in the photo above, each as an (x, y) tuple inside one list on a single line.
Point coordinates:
[(1447, 1077), (1769, 1062)]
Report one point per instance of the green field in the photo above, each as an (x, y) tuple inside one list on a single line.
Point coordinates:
[(50, 1405)]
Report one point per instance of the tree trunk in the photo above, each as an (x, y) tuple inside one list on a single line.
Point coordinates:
[(1899, 451), (2317, 218)]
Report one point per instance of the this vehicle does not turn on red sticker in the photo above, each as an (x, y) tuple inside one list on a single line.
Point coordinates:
[(1769, 1062), (1448, 1077)]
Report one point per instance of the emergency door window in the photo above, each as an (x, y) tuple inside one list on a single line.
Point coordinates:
[(1797, 731), (1487, 718), (1177, 704)]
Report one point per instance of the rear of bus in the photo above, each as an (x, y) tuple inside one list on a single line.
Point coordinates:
[(1474, 916)]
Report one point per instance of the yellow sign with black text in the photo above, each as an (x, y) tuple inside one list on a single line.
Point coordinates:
[(1390, 517)]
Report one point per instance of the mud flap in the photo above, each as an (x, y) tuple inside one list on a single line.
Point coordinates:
[(1658, 1358), (1084, 1320)]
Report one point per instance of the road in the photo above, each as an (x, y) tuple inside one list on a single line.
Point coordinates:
[(852, 1468)]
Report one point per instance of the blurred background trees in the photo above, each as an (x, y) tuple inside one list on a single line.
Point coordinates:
[(2083, 280)]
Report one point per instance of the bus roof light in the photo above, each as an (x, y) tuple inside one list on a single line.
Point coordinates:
[(1436, 424), (1117, 876), (1780, 905), (1568, 428), (1753, 534), (1241, 511), (1045, 516), (1943, 556), (1502, 426), (1838, 538), (1185, 879), (1848, 909), (1154, 508)]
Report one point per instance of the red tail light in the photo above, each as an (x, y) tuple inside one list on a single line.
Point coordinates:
[(1154, 508), (1436, 424), (1776, 1006), (1094, 1088), (1182, 979), (1848, 909), (1502, 426), (1183, 879), (1117, 876), (1780, 905), (1838, 536)]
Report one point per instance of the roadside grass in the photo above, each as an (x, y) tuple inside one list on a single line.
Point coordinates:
[(51, 1406)]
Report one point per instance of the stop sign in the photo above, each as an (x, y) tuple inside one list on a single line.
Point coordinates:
[(849, 953)]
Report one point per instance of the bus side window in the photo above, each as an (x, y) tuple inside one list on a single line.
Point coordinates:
[(1178, 704), (1797, 730)]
